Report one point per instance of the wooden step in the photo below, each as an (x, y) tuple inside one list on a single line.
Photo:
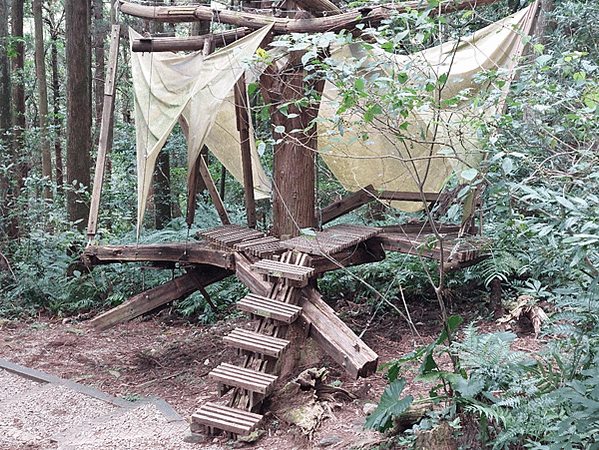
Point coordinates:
[(267, 307), (252, 380), (233, 420), (256, 342), (299, 275)]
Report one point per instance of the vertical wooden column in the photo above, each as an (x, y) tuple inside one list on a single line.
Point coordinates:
[(294, 151), (243, 125), (106, 128)]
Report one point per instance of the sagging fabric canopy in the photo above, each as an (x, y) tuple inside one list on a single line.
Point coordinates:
[(408, 160), (198, 90)]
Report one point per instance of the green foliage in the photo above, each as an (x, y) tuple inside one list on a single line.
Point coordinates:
[(391, 404)]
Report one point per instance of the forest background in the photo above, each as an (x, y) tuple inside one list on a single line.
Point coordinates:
[(540, 207)]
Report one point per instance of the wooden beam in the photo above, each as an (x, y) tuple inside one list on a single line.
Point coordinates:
[(218, 203), (106, 128), (363, 253), (334, 336), (409, 244), (243, 126), (177, 252), (254, 281), (187, 43), (192, 193), (347, 204), (145, 302), (408, 196), (369, 16)]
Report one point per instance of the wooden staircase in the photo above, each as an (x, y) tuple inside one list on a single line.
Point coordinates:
[(255, 379)]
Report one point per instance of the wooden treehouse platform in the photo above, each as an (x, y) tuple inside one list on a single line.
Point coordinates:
[(281, 277)]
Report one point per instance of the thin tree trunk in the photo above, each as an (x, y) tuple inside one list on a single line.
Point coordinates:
[(42, 88), (6, 184), (18, 63), (79, 108), (56, 119), (99, 37)]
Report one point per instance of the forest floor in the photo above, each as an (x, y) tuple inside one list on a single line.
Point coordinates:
[(166, 356)]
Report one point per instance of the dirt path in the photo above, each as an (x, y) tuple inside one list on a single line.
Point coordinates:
[(170, 360)]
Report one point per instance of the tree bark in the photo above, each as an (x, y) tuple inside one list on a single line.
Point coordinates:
[(42, 89), (18, 63), (79, 108), (99, 37), (293, 171), (6, 184), (56, 99), (56, 120)]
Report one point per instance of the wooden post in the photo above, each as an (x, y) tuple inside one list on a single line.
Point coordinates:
[(243, 125), (105, 142)]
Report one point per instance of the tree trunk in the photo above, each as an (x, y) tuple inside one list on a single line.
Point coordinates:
[(293, 172), (18, 63), (56, 85), (56, 119), (6, 188), (79, 107), (42, 89), (99, 37)]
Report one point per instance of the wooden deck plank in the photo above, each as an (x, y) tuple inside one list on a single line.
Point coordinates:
[(252, 380), (267, 307), (225, 418), (256, 342), (283, 270)]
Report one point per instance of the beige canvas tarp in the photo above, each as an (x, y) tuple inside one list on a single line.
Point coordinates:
[(382, 159), (195, 88)]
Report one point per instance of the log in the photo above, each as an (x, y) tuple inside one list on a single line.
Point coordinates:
[(145, 302), (347, 204), (187, 43), (347, 20), (334, 336), (178, 252), (251, 279), (319, 7)]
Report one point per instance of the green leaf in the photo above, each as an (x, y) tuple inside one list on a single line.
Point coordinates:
[(452, 322), (252, 88), (390, 405), (359, 84), (469, 174)]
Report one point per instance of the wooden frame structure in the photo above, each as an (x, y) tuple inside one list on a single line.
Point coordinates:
[(280, 273)]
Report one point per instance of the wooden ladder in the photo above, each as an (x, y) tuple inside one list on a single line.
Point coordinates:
[(262, 347)]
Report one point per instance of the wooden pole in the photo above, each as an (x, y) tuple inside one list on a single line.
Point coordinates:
[(243, 125), (213, 191), (188, 43), (282, 25), (106, 128)]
